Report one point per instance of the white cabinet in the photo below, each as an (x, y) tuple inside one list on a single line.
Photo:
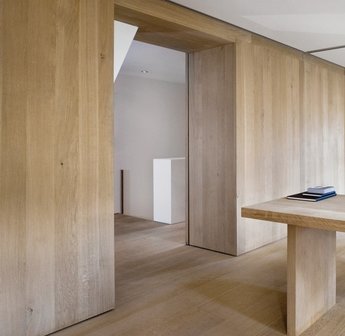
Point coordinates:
[(169, 190)]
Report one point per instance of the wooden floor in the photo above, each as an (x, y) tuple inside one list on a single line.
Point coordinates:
[(166, 288)]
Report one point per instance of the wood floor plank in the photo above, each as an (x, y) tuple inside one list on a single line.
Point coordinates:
[(164, 287)]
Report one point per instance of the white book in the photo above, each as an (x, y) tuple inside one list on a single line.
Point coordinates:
[(321, 190)]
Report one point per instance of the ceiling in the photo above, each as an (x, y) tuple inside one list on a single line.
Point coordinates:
[(161, 63), (307, 25)]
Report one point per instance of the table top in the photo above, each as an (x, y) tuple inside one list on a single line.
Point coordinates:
[(328, 214)]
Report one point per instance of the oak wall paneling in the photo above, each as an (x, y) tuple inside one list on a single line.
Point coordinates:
[(290, 130), (212, 148), (56, 197), (39, 252), (268, 145), (13, 79), (323, 125)]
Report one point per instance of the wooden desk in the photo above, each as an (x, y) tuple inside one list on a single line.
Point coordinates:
[(311, 273)]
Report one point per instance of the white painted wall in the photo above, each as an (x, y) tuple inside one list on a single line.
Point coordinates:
[(123, 38), (149, 123)]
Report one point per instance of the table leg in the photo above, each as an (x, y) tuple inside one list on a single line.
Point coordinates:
[(311, 275)]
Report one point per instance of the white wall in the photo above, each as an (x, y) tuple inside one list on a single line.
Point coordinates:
[(149, 123), (123, 38)]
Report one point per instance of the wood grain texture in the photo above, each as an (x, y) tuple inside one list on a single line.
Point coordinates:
[(66, 176), (105, 161), (167, 288), (311, 254), (212, 147), (322, 125), (170, 25), (328, 214), (268, 148), (14, 86), (40, 170), (290, 130), (56, 197), (311, 290)]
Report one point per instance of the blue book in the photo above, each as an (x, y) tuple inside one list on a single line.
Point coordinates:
[(311, 197)]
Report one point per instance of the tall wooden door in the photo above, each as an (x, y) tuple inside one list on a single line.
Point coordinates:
[(212, 149), (56, 190)]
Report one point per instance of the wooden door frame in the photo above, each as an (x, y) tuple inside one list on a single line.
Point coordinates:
[(172, 26)]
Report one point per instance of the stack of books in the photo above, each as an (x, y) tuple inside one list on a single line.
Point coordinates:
[(314, 194)]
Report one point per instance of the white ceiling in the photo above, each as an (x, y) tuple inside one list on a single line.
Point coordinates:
[(161, 63), (303, 24)]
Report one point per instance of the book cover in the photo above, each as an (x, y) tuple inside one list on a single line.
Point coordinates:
[(310, 197)]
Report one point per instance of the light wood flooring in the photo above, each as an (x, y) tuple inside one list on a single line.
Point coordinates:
[(166, 288)]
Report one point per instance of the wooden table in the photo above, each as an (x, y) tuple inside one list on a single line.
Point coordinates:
[(311, 271)]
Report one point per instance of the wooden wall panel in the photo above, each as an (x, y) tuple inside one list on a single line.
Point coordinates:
[(290, 130), (212, 143), (105, 161), (68, 172), (322, 123), (40, 166), (56, 197), (13, 66), (268, 149)]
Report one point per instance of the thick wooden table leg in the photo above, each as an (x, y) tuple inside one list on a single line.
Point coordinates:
[(311, 276)]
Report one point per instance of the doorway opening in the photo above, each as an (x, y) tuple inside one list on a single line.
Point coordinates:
[(150, 106), (150, 103)]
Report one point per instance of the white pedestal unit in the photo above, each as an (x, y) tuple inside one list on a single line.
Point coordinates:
[(169, 190)]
